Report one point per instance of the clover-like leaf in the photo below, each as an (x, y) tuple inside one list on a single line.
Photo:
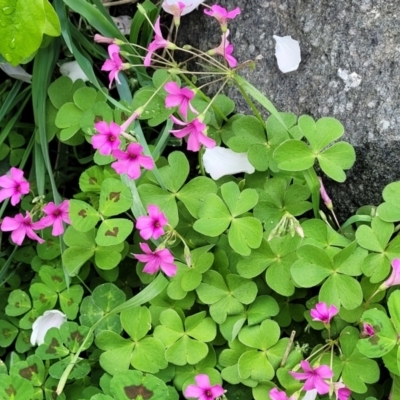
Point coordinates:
[(384, 338), (83, 216), (115, 197), (113, 231), (390, 210)]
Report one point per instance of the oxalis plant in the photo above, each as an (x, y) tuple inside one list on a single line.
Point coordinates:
[(196, 260)]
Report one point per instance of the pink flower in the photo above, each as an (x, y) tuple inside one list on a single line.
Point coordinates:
[(323, 313), (114, 64), (102, 39), (324, 196), (129, 162), (195, 130), (394, 278), (203, 390), (225, 49), (152, 226), (342, 392), (107, 138), (222, 15), (179, 97), (14, 186), (158, 43), (155, 260), (276, 394), (21, 226), (56, 215), (368, 330), (314, 377)]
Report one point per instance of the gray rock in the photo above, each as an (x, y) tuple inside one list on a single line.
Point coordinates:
[(349, 70)]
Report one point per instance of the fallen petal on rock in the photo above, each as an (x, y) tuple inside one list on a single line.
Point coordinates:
[(219, 161), (287, 52), (73, 71)]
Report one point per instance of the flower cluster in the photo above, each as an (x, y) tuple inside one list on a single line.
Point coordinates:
[(152, 227), (108, 142), (14, 186)]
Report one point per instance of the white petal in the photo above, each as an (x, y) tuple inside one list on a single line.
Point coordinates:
[(50, 319), (123, 23), (190, 5), (287, 52), (73, 71), (220, 161), (16, 72), (310, 395)]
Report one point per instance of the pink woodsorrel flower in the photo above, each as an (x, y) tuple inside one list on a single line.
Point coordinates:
[(13, 186), (155, 260), (394, 278), (324, 196), (107, 138), (179, 97), (114, 64), (129, 161), (195, 130), (55, 217), (323, 313), (225, 49), (158, 43), (203, 390), (341, 390), (276, 394), (368, 330), (102, 39), (179, 8), (152, 225), (314, 377), (21, 226), (222, 15)]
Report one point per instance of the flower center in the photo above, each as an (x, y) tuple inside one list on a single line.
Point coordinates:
[(18, 188), (111, 138), (133, 157), (56, 213), (209, 394)]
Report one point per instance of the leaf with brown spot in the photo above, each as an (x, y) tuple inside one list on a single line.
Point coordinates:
[(92, 180), (133, 392), (114, 232), (82, 213), (115, 196), (29, 371)]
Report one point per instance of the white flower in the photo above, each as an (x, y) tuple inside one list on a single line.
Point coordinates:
[(287, 52), (73, 71), (173, 6), (124, 23), (16, 72), (50, 319), (220, 161), (310, 395)]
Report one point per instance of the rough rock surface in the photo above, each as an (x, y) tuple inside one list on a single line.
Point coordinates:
[(350, 70)]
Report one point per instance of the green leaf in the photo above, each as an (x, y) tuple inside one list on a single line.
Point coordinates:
[(53, 278), (52, 23), (83, 216), (244, 234), (294, 155), (113, 231), (91, 179), (394, 309), (18, 303), (327, 130), (135, 385), (32, 369), (8, 333), (43, 298), (262, 336), (107, 297), (337, 158), (193, 193), (255, 365), (136, 322), (214, 217), (70, 299), (22, 27), (341, 290), (68, 116), (52, 348), (238, 202), (107, 258), (15, 387), (383, 340), (389, 210), (115, 197), (174, 175)]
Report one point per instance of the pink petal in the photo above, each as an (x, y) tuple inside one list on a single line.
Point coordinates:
[(192, 391), (17, 174), (9, 224), (58, 228), (203, 381), (146, 162), (172, 88), (18, 235), (6, 193)]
